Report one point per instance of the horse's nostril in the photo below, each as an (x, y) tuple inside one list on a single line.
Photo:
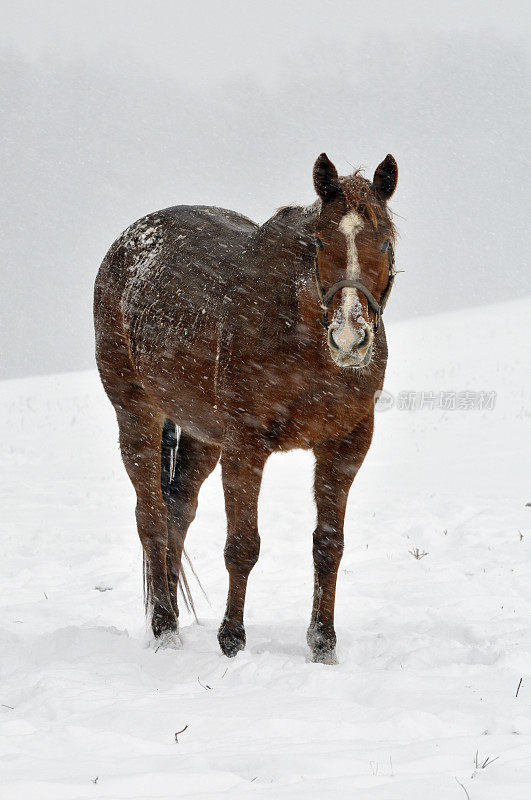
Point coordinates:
[(332, 340), (348, 346), (363, 340)]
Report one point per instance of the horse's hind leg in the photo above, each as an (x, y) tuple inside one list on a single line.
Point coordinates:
[(193, 461), (140, 440)]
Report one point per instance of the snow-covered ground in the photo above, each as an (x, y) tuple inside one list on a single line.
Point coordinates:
[(431, 650)]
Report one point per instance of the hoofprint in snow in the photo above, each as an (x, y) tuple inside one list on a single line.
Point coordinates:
[(432, 648)]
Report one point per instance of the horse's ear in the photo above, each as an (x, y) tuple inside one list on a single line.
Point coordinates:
[(386, 177), (325, 178)]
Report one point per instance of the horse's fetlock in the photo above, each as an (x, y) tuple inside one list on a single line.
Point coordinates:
[(163, 619), (321, 640), (231, 637)]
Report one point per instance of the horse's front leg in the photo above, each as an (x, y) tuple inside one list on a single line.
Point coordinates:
[(241, 468), (336, 465)]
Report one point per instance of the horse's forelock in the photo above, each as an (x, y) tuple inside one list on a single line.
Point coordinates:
[(359, 192)]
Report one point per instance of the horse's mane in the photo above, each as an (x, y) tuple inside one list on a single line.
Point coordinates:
[(288, 215)]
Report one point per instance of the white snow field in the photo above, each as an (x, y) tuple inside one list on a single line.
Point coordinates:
[(431, 649)]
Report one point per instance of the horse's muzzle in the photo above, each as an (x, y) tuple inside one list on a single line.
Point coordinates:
[(358, 355)]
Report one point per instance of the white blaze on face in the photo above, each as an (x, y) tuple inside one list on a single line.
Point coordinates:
[(348, 333)]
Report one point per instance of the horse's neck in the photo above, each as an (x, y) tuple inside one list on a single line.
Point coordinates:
[(290, 247), (286, 252)]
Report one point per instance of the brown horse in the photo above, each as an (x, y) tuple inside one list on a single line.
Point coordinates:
[(206, 321)]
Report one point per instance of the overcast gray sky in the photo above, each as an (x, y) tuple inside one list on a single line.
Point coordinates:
[(112, 110)]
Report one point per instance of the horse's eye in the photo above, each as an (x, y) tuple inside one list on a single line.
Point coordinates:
[(319, 243), (384, 247)]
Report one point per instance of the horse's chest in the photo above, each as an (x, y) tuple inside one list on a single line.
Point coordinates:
[(317, 414)]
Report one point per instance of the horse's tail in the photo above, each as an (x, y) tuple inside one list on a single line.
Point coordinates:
[(168, 452)]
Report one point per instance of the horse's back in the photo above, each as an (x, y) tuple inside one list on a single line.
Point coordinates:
[(173, 235)]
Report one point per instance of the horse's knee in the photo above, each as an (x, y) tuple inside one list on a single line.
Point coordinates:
[(328, 544), (242, 551)]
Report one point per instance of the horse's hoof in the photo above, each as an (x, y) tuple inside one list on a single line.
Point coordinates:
[(163, 621), (322, 645), (168, 640), (324, 655), (231, 638)]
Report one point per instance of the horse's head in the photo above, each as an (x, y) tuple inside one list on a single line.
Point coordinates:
[(353, 235)]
